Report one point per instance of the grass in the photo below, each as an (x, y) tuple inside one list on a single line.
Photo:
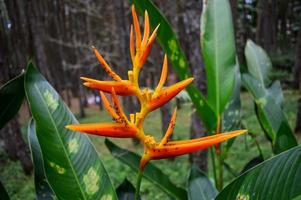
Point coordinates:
[(20, 186)]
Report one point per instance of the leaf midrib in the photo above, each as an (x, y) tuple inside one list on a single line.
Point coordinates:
[(57, 133), (216, 61)]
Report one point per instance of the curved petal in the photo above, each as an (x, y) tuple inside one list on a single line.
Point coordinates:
[(167, 94), (123, 88), (106, 129), (190, 146)]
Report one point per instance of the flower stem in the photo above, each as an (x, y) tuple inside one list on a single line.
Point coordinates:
[(138, 184), (213, 165)]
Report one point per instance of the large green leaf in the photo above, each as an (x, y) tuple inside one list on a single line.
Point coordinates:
[(277, 178), (218, 47), (3, 192), (199, 186), (270, 116), (72, 165), (43, 190), (151, 172), (259, 64), (171, 46), (11, 95)]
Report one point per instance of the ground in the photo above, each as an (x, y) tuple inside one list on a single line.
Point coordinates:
[(244, 149)]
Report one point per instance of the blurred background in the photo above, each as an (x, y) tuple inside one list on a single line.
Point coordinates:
[(57, 36)]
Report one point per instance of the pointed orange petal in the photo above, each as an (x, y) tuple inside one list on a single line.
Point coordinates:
[(146, 30), (123, 88), (108, 106), (136, 27), (132, 46), (167, 94), (182, 148), (170, 128), (106, 129), (119, 111), (153, 36), (105, 65), (163, 75), (148, 47)]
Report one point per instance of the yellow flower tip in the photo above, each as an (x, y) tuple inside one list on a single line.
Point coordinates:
[(70, 127)]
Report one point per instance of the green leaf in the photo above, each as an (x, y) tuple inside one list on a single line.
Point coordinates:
[(259, 64), (218, 47), (72, 165), (275, 91), (270, 116), (11, 95), (43, 190), (171, 46), (3, 192), (199, 186), (231, 117), (151, 172), (277, 178), (126, 191)]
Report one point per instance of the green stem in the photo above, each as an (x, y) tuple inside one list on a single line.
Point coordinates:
[(138, 184), (219, 184), (213, 165)]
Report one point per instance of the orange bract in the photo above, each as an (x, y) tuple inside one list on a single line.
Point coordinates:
[(149, 100)]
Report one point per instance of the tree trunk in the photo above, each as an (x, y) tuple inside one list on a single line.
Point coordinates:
[(297, 67), (266, 33), (297, 80), (12, 60), (189, 15), (15, 146)]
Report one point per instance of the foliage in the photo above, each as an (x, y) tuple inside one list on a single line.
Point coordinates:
[(69, 163), (69, 171), (12, 95)]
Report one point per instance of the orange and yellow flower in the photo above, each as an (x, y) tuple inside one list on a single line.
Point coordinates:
[(149, 100)]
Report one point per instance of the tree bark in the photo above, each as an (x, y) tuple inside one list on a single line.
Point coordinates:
[(297, 80), (189, 21), (13, 35), (266, 33)]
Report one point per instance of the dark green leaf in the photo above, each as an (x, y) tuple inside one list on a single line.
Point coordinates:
[(43, 190), (72, 165), (252, 163), (126, 191), (3, 193), (171, 46), (270, 116), (199, 186), (11, 95), (218, 47), (151, 172), (277, 178)]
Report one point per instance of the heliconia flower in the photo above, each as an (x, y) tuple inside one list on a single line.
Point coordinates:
[(149, 101)]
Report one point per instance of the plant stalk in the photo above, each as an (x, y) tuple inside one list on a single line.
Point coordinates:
[(138, 183)]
